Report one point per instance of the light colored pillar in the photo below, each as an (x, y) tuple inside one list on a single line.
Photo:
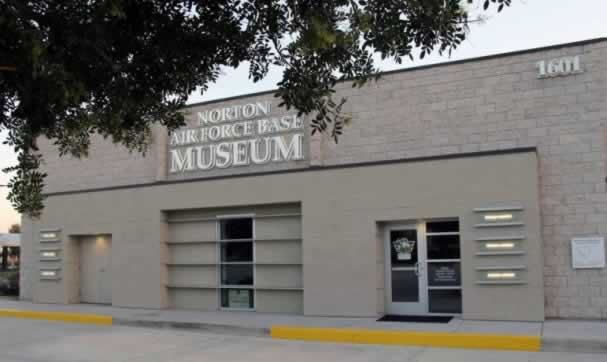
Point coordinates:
[(26, 262), (160, 137), (164, 258), (315, 143)]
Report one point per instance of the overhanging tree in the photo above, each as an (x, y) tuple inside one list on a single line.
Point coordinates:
[(70, 69), (14, 229)]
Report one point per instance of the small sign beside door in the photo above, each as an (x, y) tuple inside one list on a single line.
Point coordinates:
[(444, 274), (588, 253)]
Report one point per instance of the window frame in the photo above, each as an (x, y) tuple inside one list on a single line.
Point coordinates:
[(220, 263), (429, 288)]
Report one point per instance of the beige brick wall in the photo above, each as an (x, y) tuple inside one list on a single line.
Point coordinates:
[(107, 165), (499, 104), (485, 105)]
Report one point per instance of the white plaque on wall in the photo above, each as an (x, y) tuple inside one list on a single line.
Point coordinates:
[(588, 253)]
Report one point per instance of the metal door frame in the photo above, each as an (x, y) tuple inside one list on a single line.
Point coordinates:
[(407, 308)]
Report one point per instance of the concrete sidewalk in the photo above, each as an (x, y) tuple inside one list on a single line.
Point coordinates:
[(555, 335)]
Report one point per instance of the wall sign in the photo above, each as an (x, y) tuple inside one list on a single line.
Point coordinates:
[(588, 253), (238, 135), (444, 274), (559, 67)]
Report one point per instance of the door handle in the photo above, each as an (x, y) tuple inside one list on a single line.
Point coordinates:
[(417, 268)]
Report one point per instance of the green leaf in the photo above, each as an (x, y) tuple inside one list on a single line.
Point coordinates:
[(116, 68)]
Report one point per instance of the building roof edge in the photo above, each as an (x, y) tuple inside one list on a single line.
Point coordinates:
[(422, 67)]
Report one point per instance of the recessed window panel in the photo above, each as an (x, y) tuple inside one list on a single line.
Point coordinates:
[(48, 254), (237, 228), (442, 226), (237, 298), (498, 217), (237, 252), (445, 301), (48, 235), (500, 245), (48, 273), (443, 247), (501, 275), (235, 274)]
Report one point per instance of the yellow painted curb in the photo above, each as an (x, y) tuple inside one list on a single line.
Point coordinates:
[(404, 338), (57, 316)]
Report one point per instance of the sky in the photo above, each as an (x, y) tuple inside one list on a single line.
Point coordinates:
[(526, 24)]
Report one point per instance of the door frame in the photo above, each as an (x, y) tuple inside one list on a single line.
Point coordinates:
[(95, 270), (407, 308)]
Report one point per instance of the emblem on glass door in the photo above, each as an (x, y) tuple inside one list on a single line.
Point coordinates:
[(403, 247)]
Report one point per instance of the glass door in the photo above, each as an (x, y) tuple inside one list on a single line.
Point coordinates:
[(423, 268), (406, 283)]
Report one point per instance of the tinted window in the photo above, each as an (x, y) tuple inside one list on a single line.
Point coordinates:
[(445, 301), (234, 274), (443, 247), (237, 252), (236, 229), (405, 286), (442, 226)]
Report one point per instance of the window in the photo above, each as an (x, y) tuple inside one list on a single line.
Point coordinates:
[(445, 301), (237, 228), (9, 258), (443, 246), (237, 251), (236, 262), (444, 267), (442, 227)]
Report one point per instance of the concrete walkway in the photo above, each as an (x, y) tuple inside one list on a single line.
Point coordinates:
[(43, 341), (556, 335)]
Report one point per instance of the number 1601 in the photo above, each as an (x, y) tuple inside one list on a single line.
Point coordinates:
[(559, 67)]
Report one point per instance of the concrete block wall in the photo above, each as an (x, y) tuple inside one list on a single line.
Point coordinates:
[(107, 165), (498, 104)]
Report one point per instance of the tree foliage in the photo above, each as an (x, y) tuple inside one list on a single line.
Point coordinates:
[(70, 69), (14, 229)]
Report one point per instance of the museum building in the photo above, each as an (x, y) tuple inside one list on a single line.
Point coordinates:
[(474, 188)]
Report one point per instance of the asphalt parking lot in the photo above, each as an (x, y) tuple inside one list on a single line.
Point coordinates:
[(38, 341)]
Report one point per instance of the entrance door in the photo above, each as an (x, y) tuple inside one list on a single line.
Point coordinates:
[(95, 270), (405, 257), (423, 273)]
